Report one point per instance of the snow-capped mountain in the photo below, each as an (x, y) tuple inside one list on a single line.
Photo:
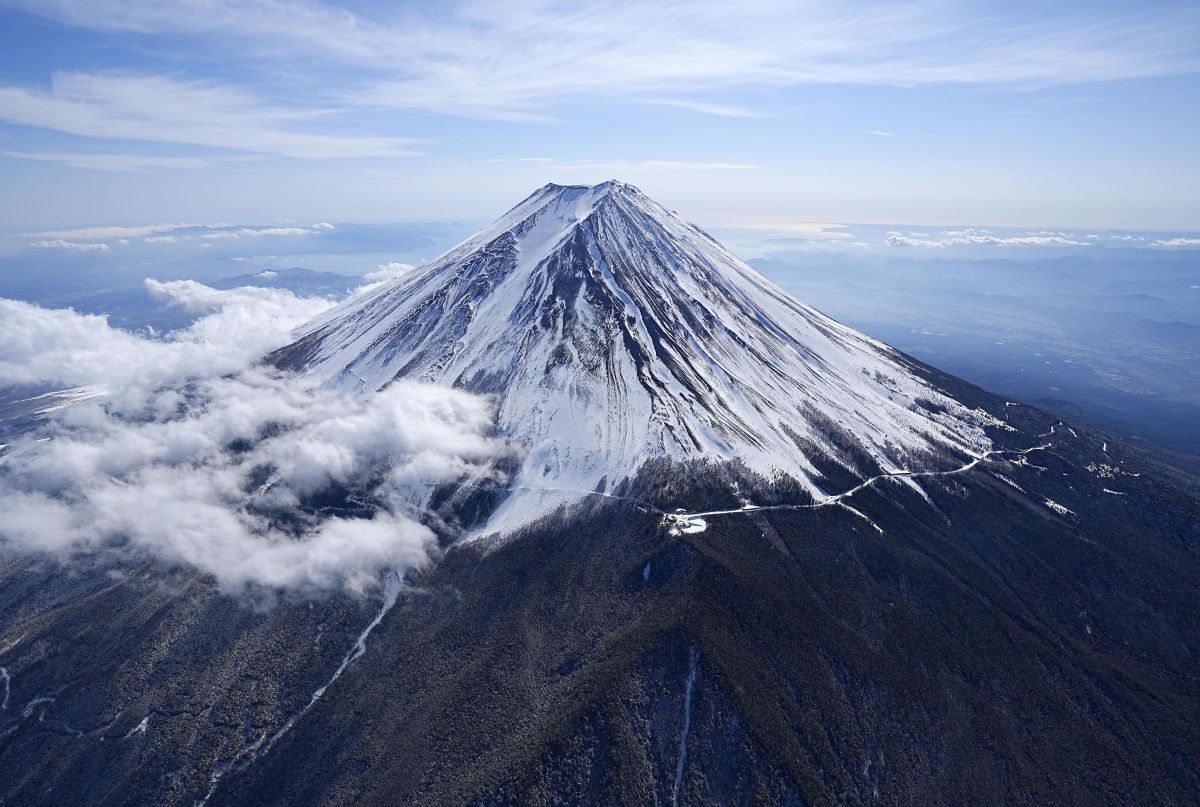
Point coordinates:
[(980, 629), (612, 331)]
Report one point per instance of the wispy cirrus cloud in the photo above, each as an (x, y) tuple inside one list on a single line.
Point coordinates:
[(100, 233), (517, 59), (155, 108), (328, 79), (116, 162), (804, 230), (704, 107), (501, 60), (322, 28)]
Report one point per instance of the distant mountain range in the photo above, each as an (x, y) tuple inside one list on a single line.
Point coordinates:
[(297, 279)]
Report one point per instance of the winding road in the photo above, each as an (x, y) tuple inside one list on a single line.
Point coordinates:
[(837, 498)]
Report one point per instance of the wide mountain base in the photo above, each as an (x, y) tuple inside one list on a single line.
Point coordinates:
[(984, 647)]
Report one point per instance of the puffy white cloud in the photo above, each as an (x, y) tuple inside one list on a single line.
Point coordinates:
[(897, 240), (278, 231), (385, 273), (202, 457), (61, 346), (1176, 242)]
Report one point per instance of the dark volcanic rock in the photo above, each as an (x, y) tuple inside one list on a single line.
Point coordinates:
[(983, 648)]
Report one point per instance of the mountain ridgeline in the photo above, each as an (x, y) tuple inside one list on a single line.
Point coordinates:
[(613, 332), (743, 555)]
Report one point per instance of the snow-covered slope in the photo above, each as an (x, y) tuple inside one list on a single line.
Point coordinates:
[(612, 331)]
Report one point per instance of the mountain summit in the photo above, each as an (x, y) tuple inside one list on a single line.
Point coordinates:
[(612, 331)]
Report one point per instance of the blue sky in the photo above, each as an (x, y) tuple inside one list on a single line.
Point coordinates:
[(756, 115)]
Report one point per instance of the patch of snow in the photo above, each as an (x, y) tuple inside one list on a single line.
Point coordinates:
[(1008, 482), (689, 684), (861, 515), (140, 728), (33, 704), (1058, 508)]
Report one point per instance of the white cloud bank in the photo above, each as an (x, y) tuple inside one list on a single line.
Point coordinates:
[(91, 239), (101, 233), (70, 246), (319, 227), (972, 237), (200, 457)]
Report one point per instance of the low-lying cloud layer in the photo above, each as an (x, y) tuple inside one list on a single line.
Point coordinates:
[(92, 239), (201, 457), (971, 237)]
